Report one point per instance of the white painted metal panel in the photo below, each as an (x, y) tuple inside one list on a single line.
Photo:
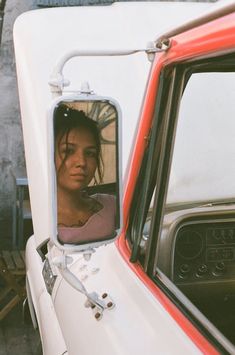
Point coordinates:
[(49, 328), (41, 37), (137, 325)]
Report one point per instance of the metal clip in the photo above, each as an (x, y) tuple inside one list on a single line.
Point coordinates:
[(163, 43), (98, 307), (156, 47)]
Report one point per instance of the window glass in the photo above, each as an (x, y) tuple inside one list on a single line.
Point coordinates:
[(196, 246), (202, 165)]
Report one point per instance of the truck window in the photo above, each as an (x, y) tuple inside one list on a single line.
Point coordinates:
[(197, 249), (194, 247), (202, 165)]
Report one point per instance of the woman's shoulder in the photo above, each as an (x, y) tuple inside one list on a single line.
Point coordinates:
[(105, 198)]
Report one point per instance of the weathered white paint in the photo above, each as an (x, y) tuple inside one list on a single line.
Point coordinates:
[(138, 324)]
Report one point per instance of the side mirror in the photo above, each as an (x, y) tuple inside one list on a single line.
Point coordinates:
[(86, 194)]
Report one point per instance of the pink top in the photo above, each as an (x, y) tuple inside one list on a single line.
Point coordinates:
[(100, 225)]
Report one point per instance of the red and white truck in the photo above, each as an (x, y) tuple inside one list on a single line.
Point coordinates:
[(165, 283)]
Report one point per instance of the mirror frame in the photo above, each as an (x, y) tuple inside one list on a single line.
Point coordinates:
[(52, 183)]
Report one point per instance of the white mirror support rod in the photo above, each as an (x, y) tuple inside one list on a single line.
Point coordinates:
[(58, 82), (93, 301)]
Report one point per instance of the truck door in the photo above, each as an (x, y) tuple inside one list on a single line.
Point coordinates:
[(181, 219)]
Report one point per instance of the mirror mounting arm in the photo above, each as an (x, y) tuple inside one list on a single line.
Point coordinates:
[(58, 82), (97, 304)]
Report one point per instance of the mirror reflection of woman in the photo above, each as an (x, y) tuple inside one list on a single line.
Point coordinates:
[(78, 162)]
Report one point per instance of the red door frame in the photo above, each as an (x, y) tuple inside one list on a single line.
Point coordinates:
[(214, 38)]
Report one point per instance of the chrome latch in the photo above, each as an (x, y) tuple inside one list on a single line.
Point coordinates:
[(49, 277)]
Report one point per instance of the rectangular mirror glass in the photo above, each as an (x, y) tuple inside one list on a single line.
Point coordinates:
[(87, 171)]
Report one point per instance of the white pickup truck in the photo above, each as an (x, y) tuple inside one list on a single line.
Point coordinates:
[(164, 282)]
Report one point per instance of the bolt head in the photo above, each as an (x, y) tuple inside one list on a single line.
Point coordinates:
[(98, 315)]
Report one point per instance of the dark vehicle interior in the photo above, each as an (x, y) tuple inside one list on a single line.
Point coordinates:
[(197, 252)]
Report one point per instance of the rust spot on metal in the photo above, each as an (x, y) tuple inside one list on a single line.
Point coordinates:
[(97, 315)]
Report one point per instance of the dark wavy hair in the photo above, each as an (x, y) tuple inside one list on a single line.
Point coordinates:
[(66, 119)]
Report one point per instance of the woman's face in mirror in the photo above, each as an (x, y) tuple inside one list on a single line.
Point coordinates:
[(76, 159), (85, 212)]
